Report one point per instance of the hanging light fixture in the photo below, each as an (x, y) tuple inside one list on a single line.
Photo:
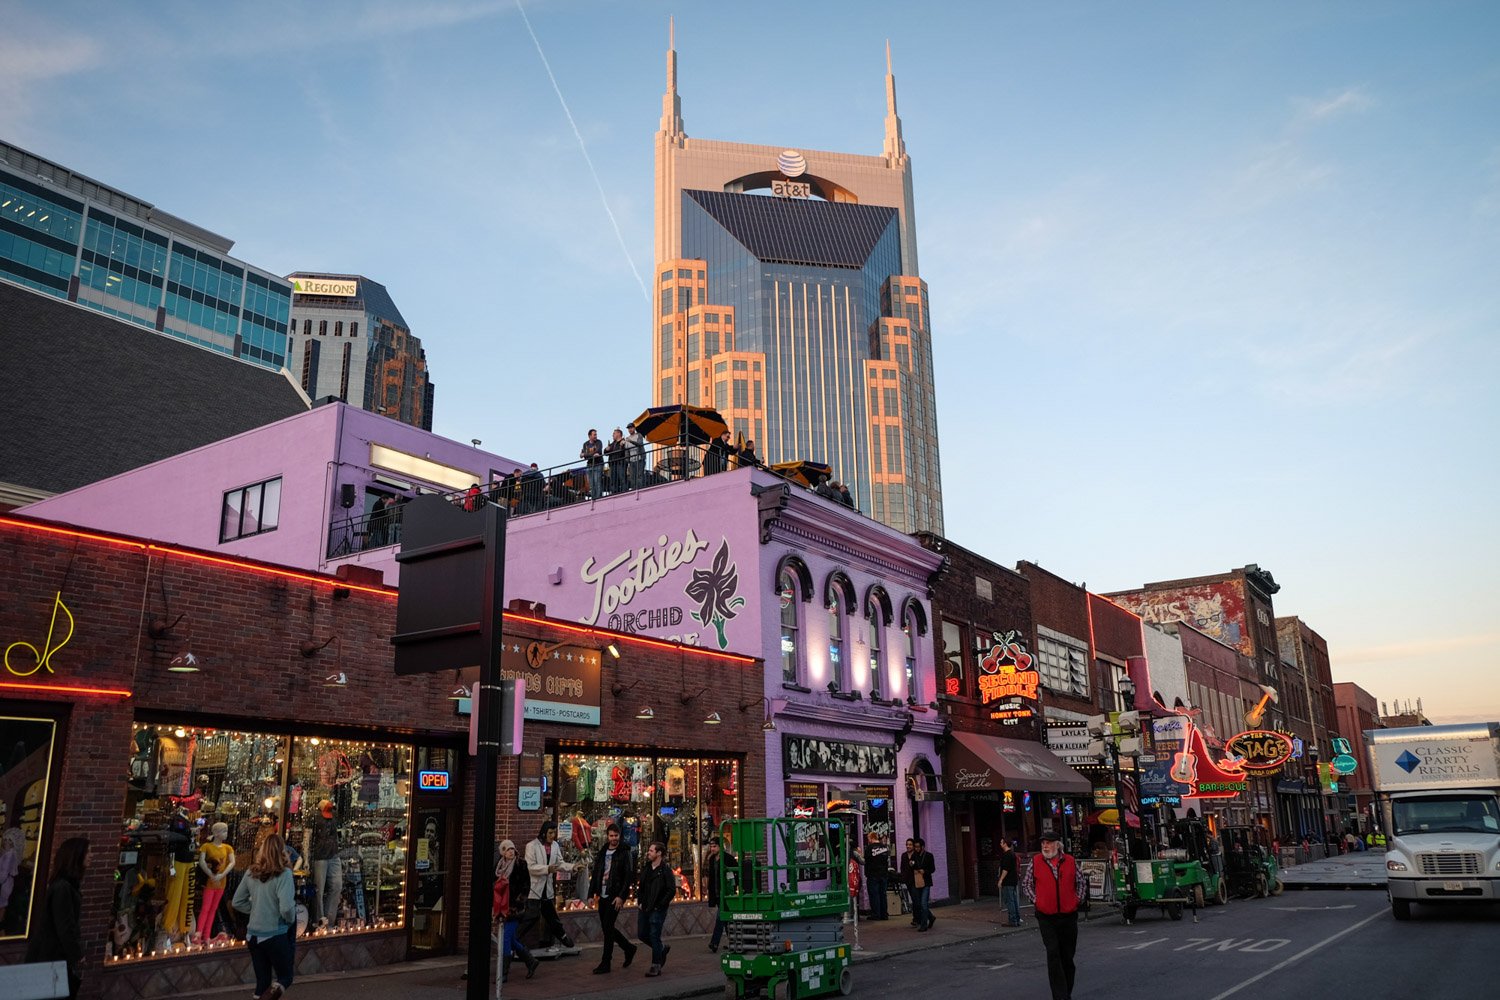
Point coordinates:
[(184, 663), (460, 693), (646, 713), (713, 719)]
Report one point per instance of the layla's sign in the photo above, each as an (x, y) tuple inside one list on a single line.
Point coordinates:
[(1007, 680), (19, 652), (1260, 750)]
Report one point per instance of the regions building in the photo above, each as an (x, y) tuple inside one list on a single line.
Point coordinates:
[(789, 299), (69, 236), (349, 340)]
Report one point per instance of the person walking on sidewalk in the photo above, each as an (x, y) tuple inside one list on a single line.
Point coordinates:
[(923, 866), (908, 891), (544, 860), (877, 874), (1010, 882), (1054, 882), (59, 931), (512, 884), (713, 861), (265, 894), (658, 886), (610, 884)]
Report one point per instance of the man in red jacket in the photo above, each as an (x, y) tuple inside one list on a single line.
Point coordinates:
[(1054, 882)]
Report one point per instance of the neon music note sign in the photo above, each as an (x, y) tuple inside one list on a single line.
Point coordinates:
[(44, 655)]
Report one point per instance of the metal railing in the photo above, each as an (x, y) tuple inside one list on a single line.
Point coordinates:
[(532, 491)]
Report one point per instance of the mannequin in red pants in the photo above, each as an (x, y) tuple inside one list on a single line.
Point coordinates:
[(216, 859)]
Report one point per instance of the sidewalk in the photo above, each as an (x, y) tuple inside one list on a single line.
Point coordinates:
[(1360, 870), (691, 969)]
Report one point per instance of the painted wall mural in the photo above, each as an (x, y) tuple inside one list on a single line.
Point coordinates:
[(1215, 609)]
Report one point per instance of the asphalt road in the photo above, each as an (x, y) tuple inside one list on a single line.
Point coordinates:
[(1305, 944)]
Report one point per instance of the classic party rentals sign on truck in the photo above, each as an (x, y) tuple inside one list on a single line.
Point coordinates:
[(1439, 789)]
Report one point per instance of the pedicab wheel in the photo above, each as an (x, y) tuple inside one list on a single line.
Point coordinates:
[(1199, 902), (846, 981), (1261, 889), (1174, 910)]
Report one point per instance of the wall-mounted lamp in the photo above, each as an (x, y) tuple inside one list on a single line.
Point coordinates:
[(613, 650), (618, 689), (160, 628), (712, 719), (906, 727), (645, 714), (773, 705), (460, 693), (309, 648), (688, 698), (337, 680), (184, 663)]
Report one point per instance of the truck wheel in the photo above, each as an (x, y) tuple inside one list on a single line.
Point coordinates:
[(1199, 902), (1174, 910), (1261, 889), (846, 981), (1277, 886), (1401, 909), (729, 993), (1222, 896)]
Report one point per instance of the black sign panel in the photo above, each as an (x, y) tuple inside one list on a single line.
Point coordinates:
[(811, 755), (444, 560)]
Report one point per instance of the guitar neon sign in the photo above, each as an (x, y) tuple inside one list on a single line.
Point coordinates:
[(43, 656)]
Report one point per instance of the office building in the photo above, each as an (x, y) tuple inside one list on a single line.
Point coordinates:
[(789, 298), (349, 341), (67, 235)]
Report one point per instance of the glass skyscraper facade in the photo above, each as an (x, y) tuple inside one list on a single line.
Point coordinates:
[(788, 298), (66, 235)]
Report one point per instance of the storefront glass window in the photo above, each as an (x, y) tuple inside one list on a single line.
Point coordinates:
[(198, 801), (25, 770), (678, 800)]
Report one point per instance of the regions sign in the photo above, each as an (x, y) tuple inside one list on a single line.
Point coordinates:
[(341, 287)]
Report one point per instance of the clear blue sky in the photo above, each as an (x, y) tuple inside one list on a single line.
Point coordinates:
[(1211, 284)]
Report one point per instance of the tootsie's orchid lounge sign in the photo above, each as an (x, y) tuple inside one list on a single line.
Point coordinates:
[(671, 584)]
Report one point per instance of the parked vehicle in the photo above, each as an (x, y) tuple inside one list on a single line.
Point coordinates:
[(783, 893), (1250, 866), (1211, 886), (1438, 787)]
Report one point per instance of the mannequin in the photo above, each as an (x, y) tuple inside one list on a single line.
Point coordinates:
[(216, 859), (328, 871), (12, 848), (176, 918)]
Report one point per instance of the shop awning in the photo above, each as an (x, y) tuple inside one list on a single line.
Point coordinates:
[(982, 763)]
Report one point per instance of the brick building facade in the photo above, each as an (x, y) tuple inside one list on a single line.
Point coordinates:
[(294, 702)]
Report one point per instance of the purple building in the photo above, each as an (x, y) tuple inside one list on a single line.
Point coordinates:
[(298, 492)]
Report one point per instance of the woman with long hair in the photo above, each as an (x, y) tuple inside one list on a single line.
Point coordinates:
[(266, 894), (59, 934)]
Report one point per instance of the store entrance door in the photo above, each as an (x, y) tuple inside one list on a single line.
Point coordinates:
[(434, 870)]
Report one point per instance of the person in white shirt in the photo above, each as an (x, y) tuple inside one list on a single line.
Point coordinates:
[(544, 860)]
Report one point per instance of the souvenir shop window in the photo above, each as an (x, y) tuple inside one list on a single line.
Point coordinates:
[(25, 771), (198, 802), (677, 800)]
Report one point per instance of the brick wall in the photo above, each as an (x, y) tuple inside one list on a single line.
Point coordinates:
[(247, 623)]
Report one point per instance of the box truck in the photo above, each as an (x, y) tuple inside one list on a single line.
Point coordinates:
[(1439, 792)]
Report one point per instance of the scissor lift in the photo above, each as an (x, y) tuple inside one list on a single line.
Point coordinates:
[(783, 893)]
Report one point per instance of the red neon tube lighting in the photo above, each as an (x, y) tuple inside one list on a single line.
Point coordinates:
[(65, 689), (621, 637)]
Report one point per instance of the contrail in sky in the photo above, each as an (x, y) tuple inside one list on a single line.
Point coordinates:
[(583, 146)]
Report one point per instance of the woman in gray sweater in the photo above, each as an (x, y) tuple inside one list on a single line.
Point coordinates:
[(266, 894)]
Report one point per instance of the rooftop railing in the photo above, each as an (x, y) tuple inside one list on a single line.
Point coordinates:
[(532, 491)]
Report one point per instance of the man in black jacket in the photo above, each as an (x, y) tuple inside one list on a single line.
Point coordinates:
[(658, 886), (877, 873), (923, 866), (610, 884)]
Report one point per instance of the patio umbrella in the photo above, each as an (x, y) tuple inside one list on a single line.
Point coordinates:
[(806, 473), (1111, 817), (680, 425)]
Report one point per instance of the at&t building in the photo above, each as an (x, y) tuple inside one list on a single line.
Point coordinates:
[(789, 299)]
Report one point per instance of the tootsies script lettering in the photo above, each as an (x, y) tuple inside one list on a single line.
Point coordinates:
[(644, 568)]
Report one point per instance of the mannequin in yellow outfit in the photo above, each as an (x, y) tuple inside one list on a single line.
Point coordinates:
[(176, 919), (216, 861)]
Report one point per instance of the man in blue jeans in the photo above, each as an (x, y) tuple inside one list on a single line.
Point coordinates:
[(654, 894), (1010, 883), (877, 873)]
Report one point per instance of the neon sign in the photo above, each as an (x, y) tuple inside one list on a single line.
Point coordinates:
[(43, 656), (1006, 675), (1262, 750), (432, 781)]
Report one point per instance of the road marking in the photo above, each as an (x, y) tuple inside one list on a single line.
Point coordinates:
[(1301, 954), (1142, 946), (995, 968), (1304, 909)]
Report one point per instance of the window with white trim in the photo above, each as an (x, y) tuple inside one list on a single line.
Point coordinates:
[(1063, 662), (251, 510)]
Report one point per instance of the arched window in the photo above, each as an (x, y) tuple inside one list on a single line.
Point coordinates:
[(914, 625), (786, 590), (877, 665), (837, 653)]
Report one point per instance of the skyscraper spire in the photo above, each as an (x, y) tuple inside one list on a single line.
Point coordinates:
[(671, 104), (895, 146)]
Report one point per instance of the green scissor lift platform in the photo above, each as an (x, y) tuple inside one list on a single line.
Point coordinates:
[(783, 893)]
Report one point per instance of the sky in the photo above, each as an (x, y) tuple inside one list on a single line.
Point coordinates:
[(1211, 284)]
